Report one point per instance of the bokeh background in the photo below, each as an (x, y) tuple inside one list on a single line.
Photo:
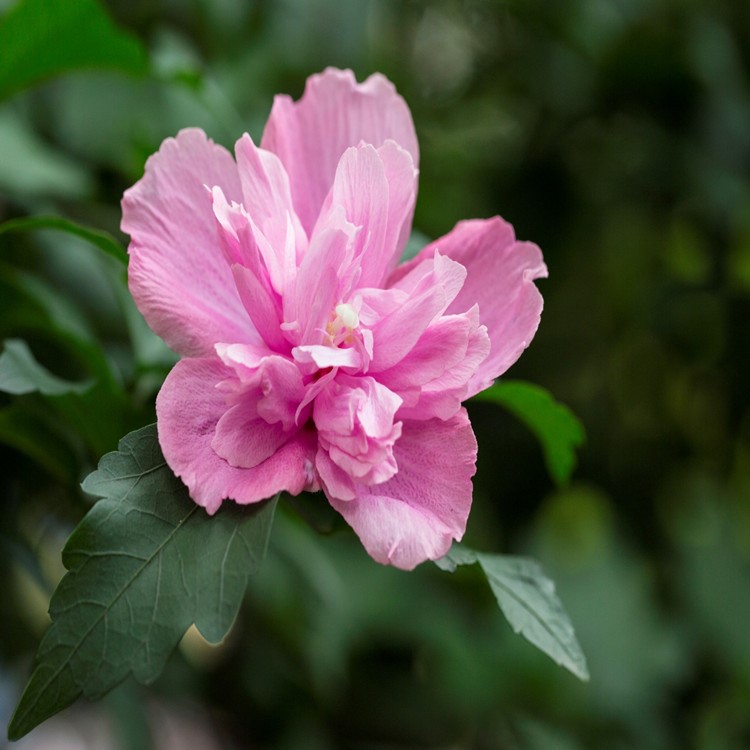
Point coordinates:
[(616, 135)]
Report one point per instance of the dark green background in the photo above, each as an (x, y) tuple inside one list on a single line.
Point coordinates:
[(616, 135)]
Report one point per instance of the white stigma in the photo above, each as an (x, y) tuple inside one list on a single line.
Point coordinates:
[(346, 316)]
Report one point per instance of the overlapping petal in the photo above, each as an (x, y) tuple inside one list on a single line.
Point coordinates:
[(376, 189), (500, 278), (414, 516), (188, 409), (428, 288), (177, 274), (335, 112), (355, 422)]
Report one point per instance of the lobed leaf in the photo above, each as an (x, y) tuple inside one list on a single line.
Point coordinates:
[(43, 38), (527, 599), (144, 563), (556, 427)]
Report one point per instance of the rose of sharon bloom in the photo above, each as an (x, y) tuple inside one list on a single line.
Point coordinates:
[(310, 359)]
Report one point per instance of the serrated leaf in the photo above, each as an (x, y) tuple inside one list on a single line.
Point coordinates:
[(96, 237), (528, 600), (556, 427), (143, 564), (43, 38), (21, 373)]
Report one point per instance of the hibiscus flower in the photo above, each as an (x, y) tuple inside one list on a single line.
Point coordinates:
[(310, 358)]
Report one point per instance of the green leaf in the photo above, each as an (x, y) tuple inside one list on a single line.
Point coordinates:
[(102, 240), (527, 599), (32, 167), (21, 373), (43, 38), (144, 564), (554, 424)]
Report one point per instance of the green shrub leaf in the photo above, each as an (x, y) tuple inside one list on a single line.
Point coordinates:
[(554, 424), (144, 564), (21, 373), (102, 240), (527, 599), (43, 38)]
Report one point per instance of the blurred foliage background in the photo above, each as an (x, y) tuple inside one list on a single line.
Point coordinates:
[(614, 134)]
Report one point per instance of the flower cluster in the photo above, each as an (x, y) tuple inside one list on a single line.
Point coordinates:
[(310, 358)]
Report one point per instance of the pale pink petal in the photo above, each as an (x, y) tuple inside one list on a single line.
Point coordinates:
[(243, 439), (335, 480), (376, 188), (402, 173), (348, 402), (414, 516), (263, 307), (282, 388), (327, 356), (271, 384), (501, 274), (262, 302), (354, 418), (441, 347), (443, 396), (244, 359), (177, 274), (320, 284), (268, 202), (244, 244), (431, 287), (335, 112), (188, 409)]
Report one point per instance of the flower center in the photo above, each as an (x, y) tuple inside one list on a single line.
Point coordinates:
[(342, 324)]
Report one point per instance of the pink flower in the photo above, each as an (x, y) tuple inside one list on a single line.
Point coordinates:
[(309, 358)]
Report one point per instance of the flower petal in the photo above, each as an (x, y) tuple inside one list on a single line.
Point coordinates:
[(262, 305), (430, 287), (376, 189), (178, 274), (441, 347), (501, 274), (245, 440), (326, 356), (415, 515), (320, 280), (188, 409), (268, 202), (334, 113)]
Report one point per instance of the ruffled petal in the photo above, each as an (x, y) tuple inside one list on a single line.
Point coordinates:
[(440, 348), (334, 113), (320, 281), (355, 425), (430, 287), (433, 378), (268, 202), (188, 408), (178, 275), (263, 306), (243, 439), (322, 357), (500, 278), (376, 189), (414, 516)]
